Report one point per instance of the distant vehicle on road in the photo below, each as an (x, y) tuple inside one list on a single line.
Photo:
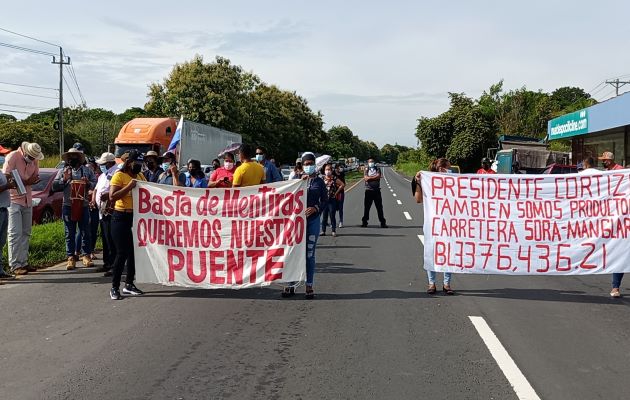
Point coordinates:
[(285, 173), (46, 203), (560, 169)]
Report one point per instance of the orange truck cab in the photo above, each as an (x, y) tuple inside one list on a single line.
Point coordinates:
[(145, 134)]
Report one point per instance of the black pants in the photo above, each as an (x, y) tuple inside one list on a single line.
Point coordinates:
[(109, 250), (122, 223), (373, 196)]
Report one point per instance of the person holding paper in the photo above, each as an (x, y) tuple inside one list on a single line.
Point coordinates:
[(23, 163), (441, 165)]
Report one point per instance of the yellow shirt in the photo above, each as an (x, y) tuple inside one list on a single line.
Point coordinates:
[(122, 179), (249, 174)]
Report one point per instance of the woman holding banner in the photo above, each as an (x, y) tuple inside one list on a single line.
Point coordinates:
[(315, 202), (441, 165), (120, 188)]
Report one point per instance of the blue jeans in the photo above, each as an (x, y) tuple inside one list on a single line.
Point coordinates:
[(312, 234), (93, 229), (616, 280), (330, 210), (433, 277), (71, 230)]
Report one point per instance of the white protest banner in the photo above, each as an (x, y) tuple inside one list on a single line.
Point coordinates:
[(570, 224), (220, 238)]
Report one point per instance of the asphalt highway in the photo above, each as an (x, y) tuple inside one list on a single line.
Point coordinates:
[(371, 332)]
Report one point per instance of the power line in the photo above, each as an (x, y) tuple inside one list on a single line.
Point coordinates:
[(28, 86), (70, 90), (25, 107), (76, 83), (12, 46), (29, 37), (28, 94), (15, 111)]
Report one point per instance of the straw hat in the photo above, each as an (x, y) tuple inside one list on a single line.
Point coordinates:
[(73, 152), (32, 150), (106, 158)]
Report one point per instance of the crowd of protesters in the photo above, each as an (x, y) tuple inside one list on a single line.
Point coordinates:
[(98, 193)]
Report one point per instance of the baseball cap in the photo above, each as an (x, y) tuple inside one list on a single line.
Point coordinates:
[(607, 155)]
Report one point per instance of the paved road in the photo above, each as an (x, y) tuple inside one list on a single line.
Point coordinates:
[(372, 333)]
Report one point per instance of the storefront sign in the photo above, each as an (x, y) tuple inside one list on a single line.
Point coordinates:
[(568, 125)]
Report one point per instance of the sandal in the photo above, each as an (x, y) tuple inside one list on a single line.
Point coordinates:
[(447, 289), (288, 291), (432, 289), (615, 293), (310, 294)]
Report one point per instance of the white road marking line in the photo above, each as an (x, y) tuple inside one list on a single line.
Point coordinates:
[(391, 190), (522, 388), (407, 215), (421, 237), (399, 202), (394, 194)]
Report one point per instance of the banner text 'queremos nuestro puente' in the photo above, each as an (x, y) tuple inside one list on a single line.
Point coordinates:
[(220, 238)]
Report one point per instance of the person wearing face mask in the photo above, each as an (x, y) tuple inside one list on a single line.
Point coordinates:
[(100, 197), (154, 170), (120, 187), (271, 171), (195, 178), (441, 165), (250, 172), (316, 198), (608, 160), (25, 162), (75, 180), (334, 186), (222, 177), (171, 175), (372, 178)]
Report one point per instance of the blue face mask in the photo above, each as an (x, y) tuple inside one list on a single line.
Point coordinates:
[(260, 157), (309, 169), (1, 160), (103, 168), (166, 166)]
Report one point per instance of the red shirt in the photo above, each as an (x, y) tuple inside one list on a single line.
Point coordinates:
[(219, 175), (617, 166), (483, 171)]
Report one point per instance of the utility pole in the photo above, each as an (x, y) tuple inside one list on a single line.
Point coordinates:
[(61, 63), (617, 84)]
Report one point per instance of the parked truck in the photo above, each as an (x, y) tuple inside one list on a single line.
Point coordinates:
[(524, 155), (198, 141)]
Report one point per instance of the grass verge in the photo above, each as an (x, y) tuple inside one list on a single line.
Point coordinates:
[(48, 245), (408, 169)]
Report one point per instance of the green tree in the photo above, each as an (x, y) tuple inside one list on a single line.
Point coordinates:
[(7, 118)]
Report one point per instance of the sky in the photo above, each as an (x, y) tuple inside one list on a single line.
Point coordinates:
[(374, 66)]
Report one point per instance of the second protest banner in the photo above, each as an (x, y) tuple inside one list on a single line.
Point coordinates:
[(527, 224), (220, 238)]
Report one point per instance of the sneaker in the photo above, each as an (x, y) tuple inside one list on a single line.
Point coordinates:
[(87, 261), (71, 264), (114, 294), (615, 293), (20, 271), (334, 234), (132, 290), (5, 276), (323, 233), (341, 224)]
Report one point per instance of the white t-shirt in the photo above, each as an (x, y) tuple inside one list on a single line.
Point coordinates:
[(590, 171)]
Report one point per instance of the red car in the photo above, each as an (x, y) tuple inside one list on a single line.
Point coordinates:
[(46, 203), (560, 169)]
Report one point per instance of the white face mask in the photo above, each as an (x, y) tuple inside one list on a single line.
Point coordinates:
[(328, 173), (228, 165), (371, 165)]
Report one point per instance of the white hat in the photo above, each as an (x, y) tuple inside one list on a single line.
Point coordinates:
[(73, 151), (32, 150), (106, 158)]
